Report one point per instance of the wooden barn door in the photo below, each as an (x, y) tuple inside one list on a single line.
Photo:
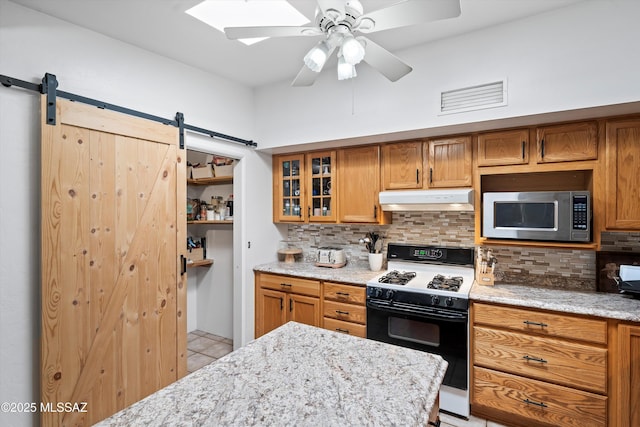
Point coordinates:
[(113, 228)]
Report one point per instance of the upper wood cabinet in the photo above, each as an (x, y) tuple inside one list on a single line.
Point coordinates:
[(448, 162), (359, 184), (402, 165), (321, 176), (288, 188), (567, 142), (302, 187), (508, 147), (622, 175)]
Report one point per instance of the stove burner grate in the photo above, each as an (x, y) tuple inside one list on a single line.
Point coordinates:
[(444, 283), (396, 277)]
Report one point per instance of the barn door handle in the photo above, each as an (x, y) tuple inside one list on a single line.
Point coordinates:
[(183, 264)]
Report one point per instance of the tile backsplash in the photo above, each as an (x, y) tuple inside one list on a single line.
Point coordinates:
[(566, 268)]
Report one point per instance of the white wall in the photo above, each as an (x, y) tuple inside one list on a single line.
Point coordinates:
[(581, 56), (92, 65)]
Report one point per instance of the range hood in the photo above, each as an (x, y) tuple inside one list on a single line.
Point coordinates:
[(458, 199)]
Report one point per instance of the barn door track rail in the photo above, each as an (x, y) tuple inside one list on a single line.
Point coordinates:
[(49, 87)]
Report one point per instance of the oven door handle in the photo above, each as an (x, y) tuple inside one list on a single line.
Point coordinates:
[(422, 312)]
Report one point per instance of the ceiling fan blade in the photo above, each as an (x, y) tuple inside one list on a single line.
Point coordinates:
[(337, 5), (384, 61), (306, 77), (410, 12), (235, 33)]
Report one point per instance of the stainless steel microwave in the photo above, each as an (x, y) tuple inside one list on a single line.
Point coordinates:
[(560, 216)]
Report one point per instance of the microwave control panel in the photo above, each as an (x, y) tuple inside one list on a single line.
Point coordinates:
[(580, 212)]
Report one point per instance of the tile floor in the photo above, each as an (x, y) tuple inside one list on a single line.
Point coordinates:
[(203, 348)]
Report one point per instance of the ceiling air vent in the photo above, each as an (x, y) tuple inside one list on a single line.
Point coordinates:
[(474, 97)]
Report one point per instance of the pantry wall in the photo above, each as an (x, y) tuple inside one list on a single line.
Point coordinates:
[(210, 286)]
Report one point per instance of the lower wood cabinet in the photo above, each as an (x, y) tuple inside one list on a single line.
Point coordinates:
[(336, 306), (628, 375), (538, 368), (344, 308), (280, 299)]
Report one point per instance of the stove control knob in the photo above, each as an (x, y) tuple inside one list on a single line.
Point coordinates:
[(449, 302), (390, 294), (435, 300), (377, 292)]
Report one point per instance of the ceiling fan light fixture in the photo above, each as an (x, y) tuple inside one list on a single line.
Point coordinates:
[(345, 70), (352, 50), (317, 56)]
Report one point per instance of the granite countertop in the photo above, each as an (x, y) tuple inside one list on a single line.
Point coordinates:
[(299, 375), (357, 274), (608, 305)]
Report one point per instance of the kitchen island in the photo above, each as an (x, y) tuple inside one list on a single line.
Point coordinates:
[(299, 375)]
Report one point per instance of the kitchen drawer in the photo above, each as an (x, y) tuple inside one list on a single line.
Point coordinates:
[(345, 327), (347, 312), (523, 399), (345, 293), (547, 324), (561, 362), (290, 284)]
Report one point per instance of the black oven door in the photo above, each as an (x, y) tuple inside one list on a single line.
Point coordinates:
[(433, 330)]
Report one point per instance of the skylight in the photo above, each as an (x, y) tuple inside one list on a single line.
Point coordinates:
[(248, 13)]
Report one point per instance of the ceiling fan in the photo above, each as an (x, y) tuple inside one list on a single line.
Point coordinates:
[(341, 22)]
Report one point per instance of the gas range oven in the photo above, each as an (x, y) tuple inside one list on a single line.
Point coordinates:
[(422, 302)]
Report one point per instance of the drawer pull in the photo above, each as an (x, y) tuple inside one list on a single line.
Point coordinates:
[(286, 284), (531, 402), (344, 331), (345, 313), (529, 323), (342, 294), (533, 359)]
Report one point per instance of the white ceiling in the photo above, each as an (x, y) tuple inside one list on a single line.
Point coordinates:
[(161, 26)]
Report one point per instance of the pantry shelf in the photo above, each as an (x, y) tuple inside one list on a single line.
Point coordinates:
[(225, 221), (200, 263), (211, 181)]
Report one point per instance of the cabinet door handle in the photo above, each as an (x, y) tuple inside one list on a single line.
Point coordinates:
[(309, 211), (375, 212), (417, 176), (529, 323), (288, 285), (281, 303), (344, 331), (542, 148), (342, 294), (532, 402), (430, 175), (533, 359), (344, 313), (183, 264), (290, 304), (523, 144)]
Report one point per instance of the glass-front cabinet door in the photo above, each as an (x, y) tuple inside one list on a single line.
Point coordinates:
[(289, 204), (321, 184)]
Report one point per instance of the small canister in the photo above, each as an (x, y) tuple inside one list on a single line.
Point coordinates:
[(210, 213)]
